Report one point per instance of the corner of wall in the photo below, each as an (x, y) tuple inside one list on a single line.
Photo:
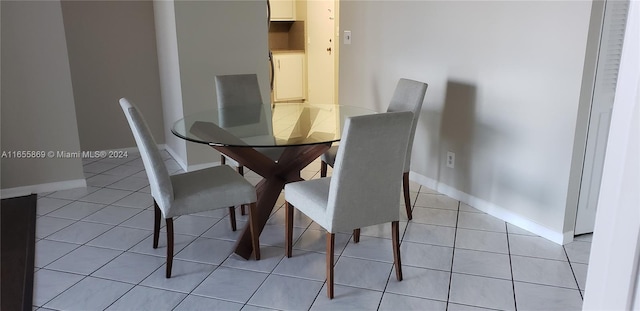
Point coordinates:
[(40, 98)]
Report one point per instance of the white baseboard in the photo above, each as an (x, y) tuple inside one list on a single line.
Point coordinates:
[(494, 210), (40, 188), (182, 162), (423, 180), (202, 166)]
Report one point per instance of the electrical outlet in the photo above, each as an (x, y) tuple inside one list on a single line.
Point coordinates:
[(451, 159)]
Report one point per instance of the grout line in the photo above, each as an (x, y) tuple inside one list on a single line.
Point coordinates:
[(319, 292), (75, 221), (548, 285), (513, 283), (453, 255), (439, 207), (56, 296), (195, 287), (384, 290), (215, 267), (279, 262), (573, 272), (89, 274)]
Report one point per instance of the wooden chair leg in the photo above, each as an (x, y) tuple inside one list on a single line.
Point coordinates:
[(395, 232), (356, 235), (255, 242), (232, 217), (241, 172), (156, 224), (223, 161), (323, 169), (407, 196), (169, 246), (330, 250), (288, 228)]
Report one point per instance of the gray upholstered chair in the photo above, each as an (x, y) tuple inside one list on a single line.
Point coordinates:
[(408, 96), (188, 193), (356, 195), (241, 90)]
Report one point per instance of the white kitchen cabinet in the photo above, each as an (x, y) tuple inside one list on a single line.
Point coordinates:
[(289, 73), (283, 10)]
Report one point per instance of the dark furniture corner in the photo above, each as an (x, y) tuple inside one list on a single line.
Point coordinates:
[(17, 250)]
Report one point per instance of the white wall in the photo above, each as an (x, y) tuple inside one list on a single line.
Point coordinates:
[(37, 100), (207, 38), (112, 54), (169, 69), (504, 85)]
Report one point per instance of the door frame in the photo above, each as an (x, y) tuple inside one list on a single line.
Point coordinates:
[(586, 158), (613, 274), (336, 46)]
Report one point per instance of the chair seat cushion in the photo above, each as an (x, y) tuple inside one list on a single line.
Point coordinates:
[(310, 197), (329, 156), (207, 189)]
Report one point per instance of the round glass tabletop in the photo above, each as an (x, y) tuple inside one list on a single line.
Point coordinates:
[(264, 126)]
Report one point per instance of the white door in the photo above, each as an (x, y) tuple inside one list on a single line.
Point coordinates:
[(600, 117), (321, 51)]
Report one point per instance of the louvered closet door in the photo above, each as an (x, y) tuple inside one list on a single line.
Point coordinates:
[(608, 64)]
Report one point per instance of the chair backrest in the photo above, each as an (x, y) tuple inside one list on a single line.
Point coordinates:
[(240, 96), (367, 174), (238, 90), (408, 96), (159, 180)]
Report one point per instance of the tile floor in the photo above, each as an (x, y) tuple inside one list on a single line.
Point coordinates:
[(94, 252)]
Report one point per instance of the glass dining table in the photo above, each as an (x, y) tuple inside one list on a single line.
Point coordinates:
[(303, 132)]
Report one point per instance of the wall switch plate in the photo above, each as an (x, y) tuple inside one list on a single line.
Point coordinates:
[(451, 159), (347, 37)]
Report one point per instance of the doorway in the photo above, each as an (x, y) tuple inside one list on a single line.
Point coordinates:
[(322, 51)]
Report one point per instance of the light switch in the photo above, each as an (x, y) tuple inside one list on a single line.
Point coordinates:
[(347, 37)]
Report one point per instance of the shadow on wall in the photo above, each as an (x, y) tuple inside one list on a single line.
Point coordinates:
[(457, 135), (427, 140), (482, 151), (474, 144)]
